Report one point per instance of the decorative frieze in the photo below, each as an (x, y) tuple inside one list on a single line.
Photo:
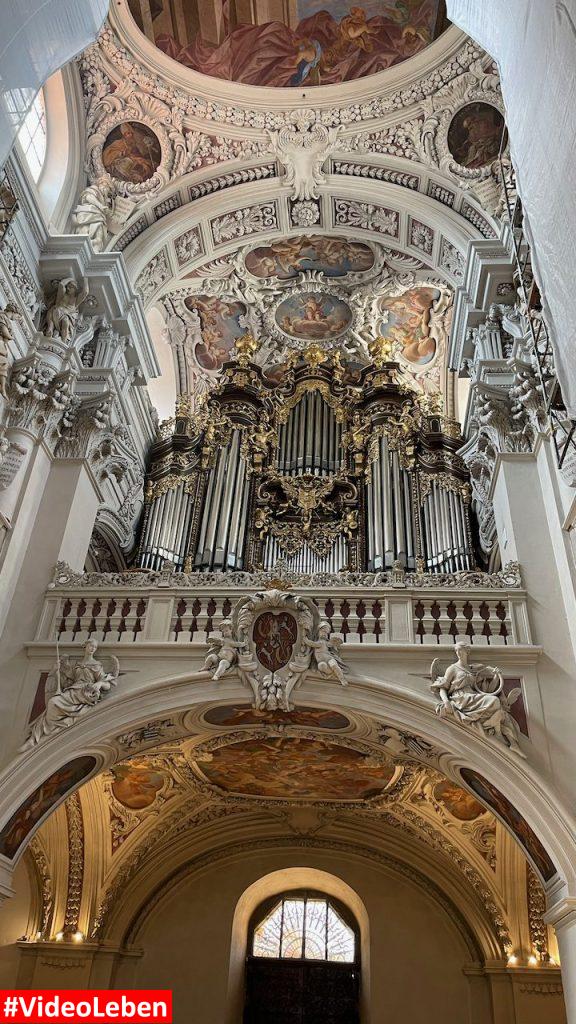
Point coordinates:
[(249, 220)]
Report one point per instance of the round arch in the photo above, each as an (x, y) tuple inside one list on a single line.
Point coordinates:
[(95, 736), (272, 884), (301, 864), (161, 235)]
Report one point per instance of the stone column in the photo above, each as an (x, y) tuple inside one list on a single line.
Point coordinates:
[(563, 917)]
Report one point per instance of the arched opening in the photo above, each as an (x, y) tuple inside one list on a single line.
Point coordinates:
[(303, 962)]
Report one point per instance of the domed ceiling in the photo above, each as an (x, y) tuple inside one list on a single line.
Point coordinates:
[(290, 42)]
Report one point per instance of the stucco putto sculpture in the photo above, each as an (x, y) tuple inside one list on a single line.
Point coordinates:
[(273, 640)]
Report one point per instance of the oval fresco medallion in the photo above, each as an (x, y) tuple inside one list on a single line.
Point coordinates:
[(288, 257), (313, 316), (131, 152), (291, 768), (457, 801), (136, 786), (407, 324), (475, 134), (245, 714)]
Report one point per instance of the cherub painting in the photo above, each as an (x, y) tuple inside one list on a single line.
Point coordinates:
[(286, 258), (220, 328), (313, 316), (408, 324)]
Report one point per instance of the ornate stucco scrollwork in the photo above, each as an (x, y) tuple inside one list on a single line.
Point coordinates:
[(72, 688), (302, 148), (473, 695), (273, 641)]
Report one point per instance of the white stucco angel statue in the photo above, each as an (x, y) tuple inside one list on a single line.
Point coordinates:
[(326, 653), (91, 214), (71, 689), (64, 313), (223, 653), (474, 694)]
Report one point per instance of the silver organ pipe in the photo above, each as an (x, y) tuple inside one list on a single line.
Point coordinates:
[(224, 514), (165, 533), (311, 440), (390, 522), (446, 542), (305, 560)]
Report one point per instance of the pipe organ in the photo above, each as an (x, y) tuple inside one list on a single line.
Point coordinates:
[(314, 468)]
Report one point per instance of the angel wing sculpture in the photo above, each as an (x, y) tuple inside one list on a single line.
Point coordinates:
[(71, 689)]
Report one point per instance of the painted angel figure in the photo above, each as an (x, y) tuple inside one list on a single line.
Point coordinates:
[(473, 694), (326, 653), (224, 651), (71, 688), (64, 313)]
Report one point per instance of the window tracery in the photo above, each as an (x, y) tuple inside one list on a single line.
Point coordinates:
[(32, 136), (304, 926)]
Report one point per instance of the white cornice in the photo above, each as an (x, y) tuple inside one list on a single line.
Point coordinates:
[(405, 77)]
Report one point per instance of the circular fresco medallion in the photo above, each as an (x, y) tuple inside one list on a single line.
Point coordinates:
[(457, 801), (136, 786), (288, 767), (131, 152), (313, 316), (475, 135)]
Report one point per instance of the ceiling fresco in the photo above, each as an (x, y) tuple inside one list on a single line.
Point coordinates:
[(290, 776), (475, 134), (131, 152), (407, 324), (136, 786), (329, 255), (219, 323), (294, 768), (304, 43), (313, 316)]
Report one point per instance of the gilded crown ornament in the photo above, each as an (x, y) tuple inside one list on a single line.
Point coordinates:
[(246, 346)]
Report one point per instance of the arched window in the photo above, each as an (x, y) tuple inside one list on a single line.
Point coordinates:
[(303, 961), (304, 927), (32, 136)]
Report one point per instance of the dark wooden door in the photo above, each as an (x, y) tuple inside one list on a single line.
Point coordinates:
[(301, 992)]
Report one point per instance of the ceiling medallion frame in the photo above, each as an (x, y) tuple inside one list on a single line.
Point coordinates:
[(203, 753)]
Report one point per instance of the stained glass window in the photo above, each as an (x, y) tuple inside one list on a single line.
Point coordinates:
[(32, 136), (304, 927)]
